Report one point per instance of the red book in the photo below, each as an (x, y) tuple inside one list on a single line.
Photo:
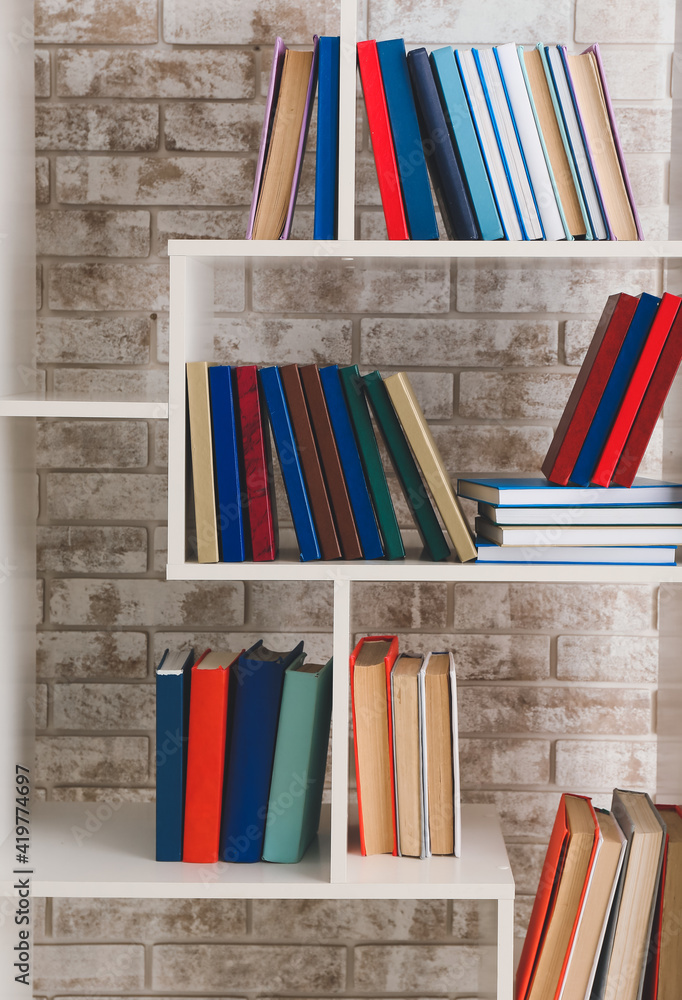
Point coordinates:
[(652, 404), (588, 388), (634, 394), (382, 141), (206, 755), (255, 447), (372, 757)]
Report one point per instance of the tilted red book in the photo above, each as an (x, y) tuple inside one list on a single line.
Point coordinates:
[(262, 518)]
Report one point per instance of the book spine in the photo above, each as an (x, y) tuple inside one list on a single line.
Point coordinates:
[(201, 445), (228, 487), (327, 151), (257, 479)]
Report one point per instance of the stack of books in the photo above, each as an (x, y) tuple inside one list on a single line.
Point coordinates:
[(241, 751), (605, 922), (406, 752), (329, 457)]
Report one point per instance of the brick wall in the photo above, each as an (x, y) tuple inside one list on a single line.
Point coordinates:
[(148, 117)]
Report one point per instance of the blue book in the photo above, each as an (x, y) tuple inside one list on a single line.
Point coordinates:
[(414, 179), (253, 711), (358, 491), (173, 676), (465, 143), (446, 175), (226, 457), (582, 555), (327, 149), (619, 379), (512, 491), (290, 463)]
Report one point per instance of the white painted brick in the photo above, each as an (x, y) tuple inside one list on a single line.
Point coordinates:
[(90, 967), (83, 233), (472, 448), (526, 863), (102, 707), (279, 605), (503, 762), (130, 127), (271, 340), (578, 334), (611, 21), (644, 129), (39, 706), (491, 396), (637, 73), (97, 444), (73, 655), (108, 286), (208, 967), (211, 22), (208, 127), (520, 811), (92, 759), (333, 920), (466, 25), (317, 645), (115, 496), (487, 657), (121, 22), (93, 340), (112, 384), (42, 72), (617, 658), (199, 224), (605, 764), (147, 919), (62, 549), (403, 606), (42, 180), (406, 968)]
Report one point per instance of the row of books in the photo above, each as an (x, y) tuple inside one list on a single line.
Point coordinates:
[(606, 918), (241, 751), (406, 754), (329, 458)]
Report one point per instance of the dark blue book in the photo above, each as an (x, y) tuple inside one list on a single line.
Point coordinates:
[(255, 694), (173, 676), (446, 175), (290, 463), (226, 457), (414, 179), (618, 382), (358, 491), (327, 149)]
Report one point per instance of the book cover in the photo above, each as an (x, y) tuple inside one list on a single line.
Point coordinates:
[(407, 711), (327, 148), (228, 487), (563, 517), (510, 491), (201, 450), (173, 676), (268, 118), (258, 488), (595, 555), (578, 534), (662, 980), (440, 760)]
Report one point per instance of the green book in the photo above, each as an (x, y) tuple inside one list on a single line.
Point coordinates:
[(300, 761), (406, 468), (351, 380)]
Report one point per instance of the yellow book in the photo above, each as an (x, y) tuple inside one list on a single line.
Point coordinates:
[(431, 463), (201, 445)]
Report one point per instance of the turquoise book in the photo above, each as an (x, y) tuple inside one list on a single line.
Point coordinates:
[(300, 762)]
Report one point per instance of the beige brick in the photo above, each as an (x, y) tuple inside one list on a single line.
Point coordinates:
[(97, 444), (160, 549), (38, 905), (39, 286), (280, 605), (527, 21), (503, 762), (148, 919), (224, 74), (74, 655), (554, 710), (210, 22), (114, 496), (42, 180), (372, 225), (523, 906), (40, 601), (111, 384), (208, 127), (655, 222), (648, 175), (578, 334), (42, 72), (605, 764), (644, 130), (367, 193), (161, 443), (93, 340), (468, 449), (229, 288), (398, 606), (130, 127), (118, 22), (39, 707), (537, 606), (317, 645), (480, 343), (492, 396), (198, 224), (93, 233), (108, 286), (88, 967), (104, 706), (610, 21), (63, 549), (617, 658), (434, 392), (500, 657), (520, 811), (404, 968), (637, 73), (526, 863), (162, 331), (274, 967), (341, 920), (265, 340), (94, 759)]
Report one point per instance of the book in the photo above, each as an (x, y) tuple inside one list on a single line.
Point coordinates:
[(290, 464), (270, 106), (330, 462), (465, 142), (371, 663), (431, 463), (258, 488), (228, 487), (351, 463), (173, 676), (406, 468), (577, 534), (352, 384), (588, 387), (597, 555), (408, 734), (636, 388), (383, 149), (614, 390), (440, 757), (256, 679), (564, 516), (298, 769), (668, 978), (402, 115), (446, 175), (509, 491), (325, 225), (201, 450), (206, 755)]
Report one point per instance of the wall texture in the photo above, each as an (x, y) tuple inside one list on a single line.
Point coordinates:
[(148, 118)]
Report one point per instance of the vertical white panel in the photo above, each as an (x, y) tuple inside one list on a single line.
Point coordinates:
[(339, 820), (347, 95)]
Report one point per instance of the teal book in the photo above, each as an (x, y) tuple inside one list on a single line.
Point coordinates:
[(300, 762)]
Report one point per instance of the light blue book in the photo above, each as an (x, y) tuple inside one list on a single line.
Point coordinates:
[(582, 555), (515, 491)]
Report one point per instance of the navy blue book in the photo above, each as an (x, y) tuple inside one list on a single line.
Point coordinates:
[(226, 457), (446, 175), (327, 149), (256, 681), (290, 463), (173, 676), (358, 491), (619, 379), (402, 114)]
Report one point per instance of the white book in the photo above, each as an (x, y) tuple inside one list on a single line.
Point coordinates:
[(600, 534), (582, 555), (565, 516)]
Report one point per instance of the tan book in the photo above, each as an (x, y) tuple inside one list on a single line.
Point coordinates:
[(429, 458), (407, 754), (670, 964), (201, 446), (439, 754)]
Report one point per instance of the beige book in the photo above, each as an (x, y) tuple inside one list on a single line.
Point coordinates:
[(201, 446), (408, 790), (554, 143), (670, 968), (429, 458), (280, 163), (439, 781)]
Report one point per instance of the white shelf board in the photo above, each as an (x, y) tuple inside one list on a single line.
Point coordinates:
[(75, 853), (39, 405)]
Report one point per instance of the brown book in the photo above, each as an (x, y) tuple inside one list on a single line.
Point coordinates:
[(201, 447), (440, 775), (670, 961), (407, 756), (310, 460), (331, 463)]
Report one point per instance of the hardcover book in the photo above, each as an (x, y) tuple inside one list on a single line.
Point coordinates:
[(228, 486), (408, 736), (201, 449), (509, 491), (440, 760), (262, 512), (173, 676), (327, 150)]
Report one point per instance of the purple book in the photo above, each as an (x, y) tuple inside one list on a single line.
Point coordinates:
[(270, 105)]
